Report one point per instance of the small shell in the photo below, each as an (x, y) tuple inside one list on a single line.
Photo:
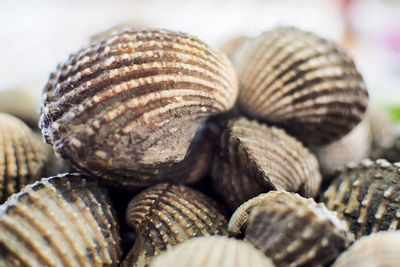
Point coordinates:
[(367, 196), (301, 82), (231, 46), (295, 231), (212, 251), (23, 156), (382, 129), (64, 220), (165, 215), (254, 158), (126, 108)]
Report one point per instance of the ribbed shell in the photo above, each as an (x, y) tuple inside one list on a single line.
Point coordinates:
[(167, 214), (23, 155), (64, 220), (212, 251), (301, 82), (378, 249), (295, 231), (254, 158), (367, 196), (128, 106)]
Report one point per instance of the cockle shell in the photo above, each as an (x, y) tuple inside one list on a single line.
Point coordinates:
[(302, 83), (380, 249), (126, 107), (292, 230), (254, 158), (167, 214), (64, 220), (367, 196), (212, 251), (23, 156)]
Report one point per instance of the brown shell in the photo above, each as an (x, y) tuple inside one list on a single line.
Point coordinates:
[(302, 83), (212, 251), (127, 107), (254, 158), (23, 155), (167, 214), (378, 249), (295, 231), (367, 196), (64, 220)]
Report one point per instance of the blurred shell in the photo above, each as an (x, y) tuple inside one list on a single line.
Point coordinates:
[(301, 82), (254, 158), (391, 153), (379, 249), (23, 155), (381, 127), (129, 105), (231, 46), (212, 251), (295, 231), (367, 196), (167, 214), (64, 220)]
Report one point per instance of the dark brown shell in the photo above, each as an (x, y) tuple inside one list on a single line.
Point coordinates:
[(127, 107), (64, 220), (23, 156), (167, 214), (254, 158), (302, 83), (295, 231), (367, 196)]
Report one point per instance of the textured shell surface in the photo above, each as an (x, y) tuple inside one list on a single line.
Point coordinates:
[(380, 249), (295, 231), (23, 155), (212, 251), (367, 196), (254, 158), (301, 82), (167, 214), (63, 220), (129, 105)]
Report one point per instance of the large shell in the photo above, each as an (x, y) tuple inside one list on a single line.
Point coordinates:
[(254, 158), (376, 250), (295, 231), (301, 82), (167, 214), (212, 251), (64, 220), (128, 106), (23, 156), (367, 196)]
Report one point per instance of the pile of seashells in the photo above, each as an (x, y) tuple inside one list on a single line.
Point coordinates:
[(161, 139)]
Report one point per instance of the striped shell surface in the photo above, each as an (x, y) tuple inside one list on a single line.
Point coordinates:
[(128, 105), (63, 220), (302, 83), (254, 158), (165, 215)]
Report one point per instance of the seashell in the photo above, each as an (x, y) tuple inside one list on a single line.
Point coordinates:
[(165, 215), (231, 46), (212, 251), (63, 220), (378, 249), (302, 83), (292, 230), (381, 127), (254, 158), (23, 156), (367, 196), (391, 153), (126, 108)]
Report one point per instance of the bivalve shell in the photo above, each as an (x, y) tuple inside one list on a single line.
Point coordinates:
[(212, 251), (165, 215), (129, 105), (64, 220), (302, 83), (254, 158)]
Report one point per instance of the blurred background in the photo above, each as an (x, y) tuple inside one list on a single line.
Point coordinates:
[(36, 35)]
